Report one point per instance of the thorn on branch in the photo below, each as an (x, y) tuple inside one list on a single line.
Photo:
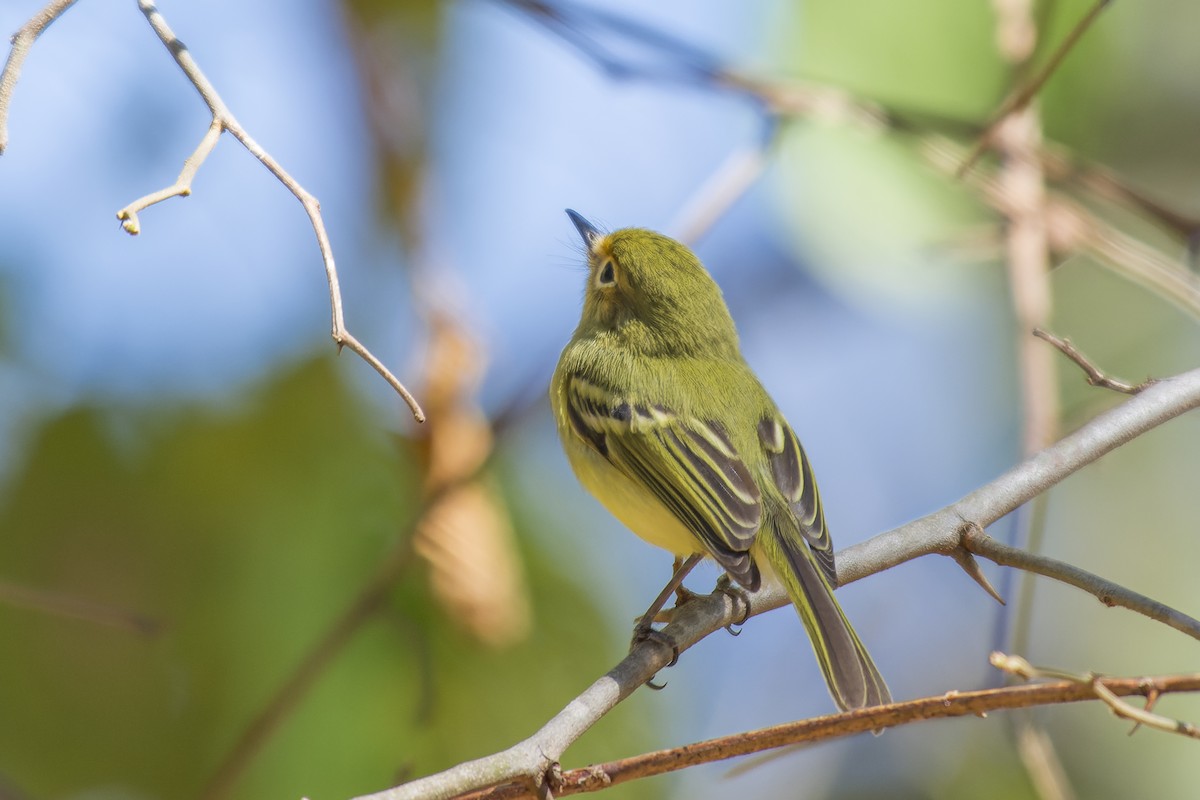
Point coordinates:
[(1094, 375), (1152, 695), (966, 559)]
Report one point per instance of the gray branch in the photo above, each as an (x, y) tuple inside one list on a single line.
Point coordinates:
[(954, 529)]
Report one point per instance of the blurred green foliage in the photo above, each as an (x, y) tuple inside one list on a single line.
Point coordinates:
[(244, 532)]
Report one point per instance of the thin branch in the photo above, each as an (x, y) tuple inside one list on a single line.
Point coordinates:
[(942, 532), (1100, 182), (1150, 688), (182, 186), (295, 688), (1016, 133), (1027, 259), (1024, 96), (1072, 228), (71, 607), (819, 729), (1107, 592), (1041, 760), (732, 179), (1143, 716), (1094, 376), (223, 120), (22, 41)]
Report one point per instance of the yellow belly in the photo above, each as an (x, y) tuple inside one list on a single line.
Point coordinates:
[(629, 501)]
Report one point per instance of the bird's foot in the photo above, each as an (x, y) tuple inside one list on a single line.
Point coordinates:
[(740, 597), (684, 595), (644, 632)]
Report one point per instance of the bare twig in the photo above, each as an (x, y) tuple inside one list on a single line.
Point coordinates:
[(1104, 689), (1107, 592), (22, 41), (942, 532), (223, 120), (1143, 716), (731, 180), (182, 186), (1094, 376), (1024, 95), (1016, 133), (818, 729)]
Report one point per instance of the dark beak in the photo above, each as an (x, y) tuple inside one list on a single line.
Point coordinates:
[(586, 229)]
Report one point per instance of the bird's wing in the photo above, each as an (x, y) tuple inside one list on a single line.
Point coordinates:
[(794, 478), (689, 464)]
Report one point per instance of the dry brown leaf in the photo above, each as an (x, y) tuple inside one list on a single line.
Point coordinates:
[(458, 437), (475, 571), (465, 536)]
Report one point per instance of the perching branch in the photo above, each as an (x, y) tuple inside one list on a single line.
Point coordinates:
[(22, 41), (182, 186), (945, 532), (1071, 689)]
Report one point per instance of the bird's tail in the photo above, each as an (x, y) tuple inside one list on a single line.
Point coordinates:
[(849, 671)]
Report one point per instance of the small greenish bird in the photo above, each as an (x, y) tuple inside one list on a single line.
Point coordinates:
[(665, 423)]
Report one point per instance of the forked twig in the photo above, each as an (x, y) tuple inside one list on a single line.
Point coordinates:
[(224, 121), (1023, 96), (1102, 686)]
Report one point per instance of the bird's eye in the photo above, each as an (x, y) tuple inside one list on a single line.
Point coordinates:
[(608, 274)]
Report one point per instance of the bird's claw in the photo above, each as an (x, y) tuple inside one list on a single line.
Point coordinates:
[(740, 597), (643, 632)]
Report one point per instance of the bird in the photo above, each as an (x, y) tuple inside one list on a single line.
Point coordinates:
[(665, 423)]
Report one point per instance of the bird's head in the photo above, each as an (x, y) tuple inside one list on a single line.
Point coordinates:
[(654, 291)]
